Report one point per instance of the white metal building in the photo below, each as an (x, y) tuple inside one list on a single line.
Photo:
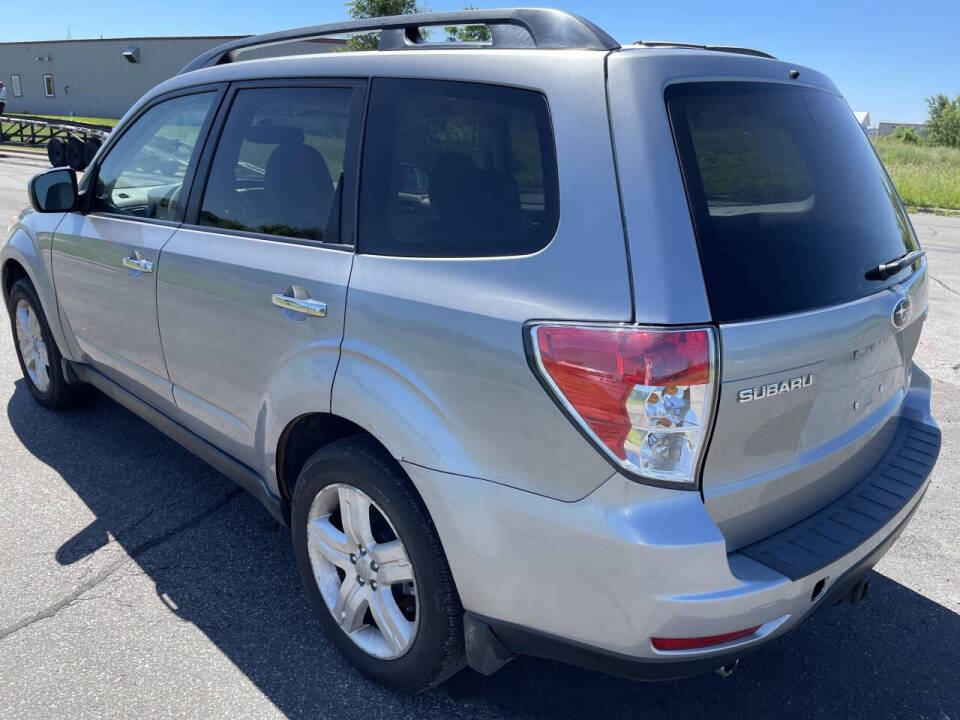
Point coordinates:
[(100, 78)]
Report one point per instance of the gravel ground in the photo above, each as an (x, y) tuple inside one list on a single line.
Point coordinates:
[(136, 581)]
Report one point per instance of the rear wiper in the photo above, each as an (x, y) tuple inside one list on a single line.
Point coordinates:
[(891, 268)]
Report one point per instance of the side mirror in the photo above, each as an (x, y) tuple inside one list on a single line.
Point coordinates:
[(54, 190)]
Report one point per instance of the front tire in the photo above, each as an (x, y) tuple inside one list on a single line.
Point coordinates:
[(40, 359), (373, 568)]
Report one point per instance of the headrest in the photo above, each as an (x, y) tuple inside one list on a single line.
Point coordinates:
[(275, 134)]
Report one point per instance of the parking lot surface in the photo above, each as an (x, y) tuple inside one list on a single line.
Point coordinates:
[(135, 581)]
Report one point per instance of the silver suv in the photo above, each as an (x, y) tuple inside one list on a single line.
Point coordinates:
[(539, 344)]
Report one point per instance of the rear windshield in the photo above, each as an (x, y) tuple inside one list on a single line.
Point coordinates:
[(791, 205)]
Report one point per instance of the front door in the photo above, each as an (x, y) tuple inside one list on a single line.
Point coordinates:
[(105, 260), (252, 291)]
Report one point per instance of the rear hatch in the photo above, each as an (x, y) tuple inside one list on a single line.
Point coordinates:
[(791, 210)]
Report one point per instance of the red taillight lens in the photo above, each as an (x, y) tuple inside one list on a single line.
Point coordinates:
[(643, 394), (700, 642)]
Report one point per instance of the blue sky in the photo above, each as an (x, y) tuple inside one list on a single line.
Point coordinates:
[(885, 56)]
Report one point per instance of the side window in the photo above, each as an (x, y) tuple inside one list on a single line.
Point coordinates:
[(143, 173), (456, 169), (278, 169)]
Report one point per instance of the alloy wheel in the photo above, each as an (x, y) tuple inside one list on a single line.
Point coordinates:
[(33, 349), (363, 571)]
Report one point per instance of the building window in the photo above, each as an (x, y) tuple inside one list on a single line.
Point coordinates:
[(48, 85), (15, 82)]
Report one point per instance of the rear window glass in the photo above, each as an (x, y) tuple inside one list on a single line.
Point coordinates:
[(456, 169), (790, 204)]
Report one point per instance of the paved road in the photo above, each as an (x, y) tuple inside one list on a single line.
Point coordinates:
[(135, 581)]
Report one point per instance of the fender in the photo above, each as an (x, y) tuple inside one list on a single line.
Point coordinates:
[(386, 397), (30, 243)]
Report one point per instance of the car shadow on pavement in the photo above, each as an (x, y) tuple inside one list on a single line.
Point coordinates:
[(220, 562)]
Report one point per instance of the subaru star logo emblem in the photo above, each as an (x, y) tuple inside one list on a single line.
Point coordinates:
[(901, 313)]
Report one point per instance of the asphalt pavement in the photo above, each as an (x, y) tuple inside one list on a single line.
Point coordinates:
[(135, 581)]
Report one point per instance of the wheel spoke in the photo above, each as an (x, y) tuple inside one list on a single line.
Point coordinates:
[(43, 374), (23, 319), (330, 543), (351, 605), (394, 627), (24, 336), (355, 515), (394, 564), (34, 324)]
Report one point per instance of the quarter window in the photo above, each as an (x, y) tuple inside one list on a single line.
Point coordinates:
[(144, 171), (456, 169), (278, 169)]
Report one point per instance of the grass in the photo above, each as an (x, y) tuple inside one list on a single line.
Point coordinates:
[(926, 176)]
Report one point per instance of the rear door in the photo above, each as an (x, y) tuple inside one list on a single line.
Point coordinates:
[(792, 208), (251, 293), (105, 261)]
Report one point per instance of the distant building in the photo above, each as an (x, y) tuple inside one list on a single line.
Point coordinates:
[(887, 128), (103, 78), (863, 118)]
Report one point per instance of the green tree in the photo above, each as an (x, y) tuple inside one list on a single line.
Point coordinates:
[(359, 9), (943, 121), (468, 33), (906, 135)]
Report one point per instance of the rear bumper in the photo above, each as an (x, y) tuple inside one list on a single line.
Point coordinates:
[(591, 582), (516, 640)]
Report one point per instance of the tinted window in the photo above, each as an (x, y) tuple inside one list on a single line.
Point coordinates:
[(455, 170), (278, 167), (143, 173), (790, 203)]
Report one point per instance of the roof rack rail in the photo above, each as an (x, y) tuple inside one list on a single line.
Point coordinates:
[(715, 48), (513, 28)]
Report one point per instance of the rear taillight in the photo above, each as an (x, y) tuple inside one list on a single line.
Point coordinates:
[(643, 395)]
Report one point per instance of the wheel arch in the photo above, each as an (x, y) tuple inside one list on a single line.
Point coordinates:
[(12, 271), (305, 435)]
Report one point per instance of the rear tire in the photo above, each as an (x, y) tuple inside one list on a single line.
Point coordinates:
[(40, 359), (433, 651)]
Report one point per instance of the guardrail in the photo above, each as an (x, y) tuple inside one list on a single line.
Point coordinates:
[(68, 143)]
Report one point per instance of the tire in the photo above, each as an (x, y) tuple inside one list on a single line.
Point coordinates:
[(434, 650), (48, 385), (74, 154), (90, 148), (56, 152)]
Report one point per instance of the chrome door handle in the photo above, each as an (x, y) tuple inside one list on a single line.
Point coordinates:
[(314, 308), (138, 264)]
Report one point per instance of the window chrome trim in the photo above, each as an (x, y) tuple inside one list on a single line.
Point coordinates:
[(216, 230)]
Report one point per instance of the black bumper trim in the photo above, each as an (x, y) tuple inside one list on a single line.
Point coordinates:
[(849, 521), (521, 640)]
